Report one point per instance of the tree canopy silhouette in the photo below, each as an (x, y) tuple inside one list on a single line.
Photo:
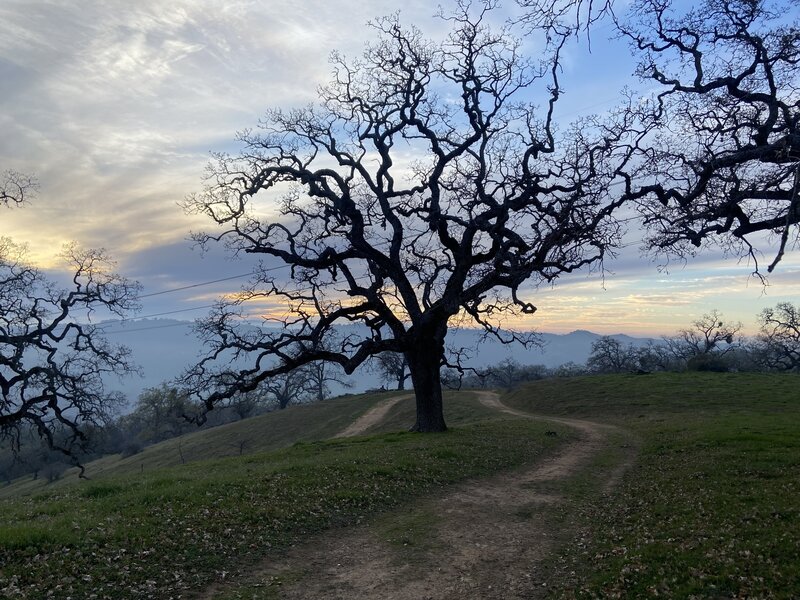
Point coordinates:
[(426, 186), (722, 162), (51, 365), (421, 191)]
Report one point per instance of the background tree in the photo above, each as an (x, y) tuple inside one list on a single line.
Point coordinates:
[(393, 368), (496, 198), (656, 356), (611, 356), (569, 369), (319, 377), (321, 374), (708, 334), (52, 366), (247, 404), (505, 374), (777, 347), (161, 413), (283, 389), (509, 373), (15, 188)]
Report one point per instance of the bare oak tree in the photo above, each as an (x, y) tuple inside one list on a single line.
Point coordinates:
[(612, 356), (393, 368), (52, 366), (319, 377), (283, 389), (420, 192), (710, 333), (778, 344), (247, 404)]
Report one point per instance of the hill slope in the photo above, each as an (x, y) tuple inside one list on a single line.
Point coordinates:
[(171, 531), (709, 508), (270, 431)]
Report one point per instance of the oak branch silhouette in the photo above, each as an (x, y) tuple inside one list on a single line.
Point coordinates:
[(52, 367), (420, 192), (722, 163), (15, 188)]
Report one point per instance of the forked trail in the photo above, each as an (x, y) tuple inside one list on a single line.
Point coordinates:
[(488, 538)]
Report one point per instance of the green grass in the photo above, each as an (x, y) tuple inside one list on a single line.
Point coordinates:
[(266, 432), (626, 399), (711, 508), (175, 529)]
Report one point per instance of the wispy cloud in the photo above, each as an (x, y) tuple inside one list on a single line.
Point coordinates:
[(116, 105)]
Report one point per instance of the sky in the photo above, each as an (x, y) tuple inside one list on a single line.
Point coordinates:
[(115, 106)]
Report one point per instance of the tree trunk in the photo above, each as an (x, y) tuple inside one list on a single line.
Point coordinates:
[(424, 362), (401, 375)]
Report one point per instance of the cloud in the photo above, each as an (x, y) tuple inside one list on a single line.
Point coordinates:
[(658, 299), (115, 106)]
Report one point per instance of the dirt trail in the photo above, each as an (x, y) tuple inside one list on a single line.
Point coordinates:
[(488, 539), (372, 417), (595, 433)]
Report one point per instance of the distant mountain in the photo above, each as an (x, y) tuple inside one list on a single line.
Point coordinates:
[(555, 349), (163, 348)]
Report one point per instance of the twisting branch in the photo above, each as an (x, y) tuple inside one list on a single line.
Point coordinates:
[(723, 155), (728, 149), (16, 188)]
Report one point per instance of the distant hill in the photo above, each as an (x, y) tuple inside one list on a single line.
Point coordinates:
[(556, 349), (163, 348)]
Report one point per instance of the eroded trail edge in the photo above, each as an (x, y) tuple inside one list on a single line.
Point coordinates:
[(489, 538)]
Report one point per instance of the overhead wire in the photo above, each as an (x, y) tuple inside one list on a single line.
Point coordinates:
[(167, 326), (196, 285), (150, 316)]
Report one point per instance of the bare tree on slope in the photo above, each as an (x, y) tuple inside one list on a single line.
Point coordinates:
[(494, 198), (51, 365)]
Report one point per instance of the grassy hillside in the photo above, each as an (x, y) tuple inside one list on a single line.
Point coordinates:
[(266, 432), (712, 507), (164, 532)]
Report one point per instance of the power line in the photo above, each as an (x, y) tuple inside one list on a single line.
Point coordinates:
[(195, 285), (251, 273), (169, 312), (295, 291), (182, 324), (161, 314), (202, 283)]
